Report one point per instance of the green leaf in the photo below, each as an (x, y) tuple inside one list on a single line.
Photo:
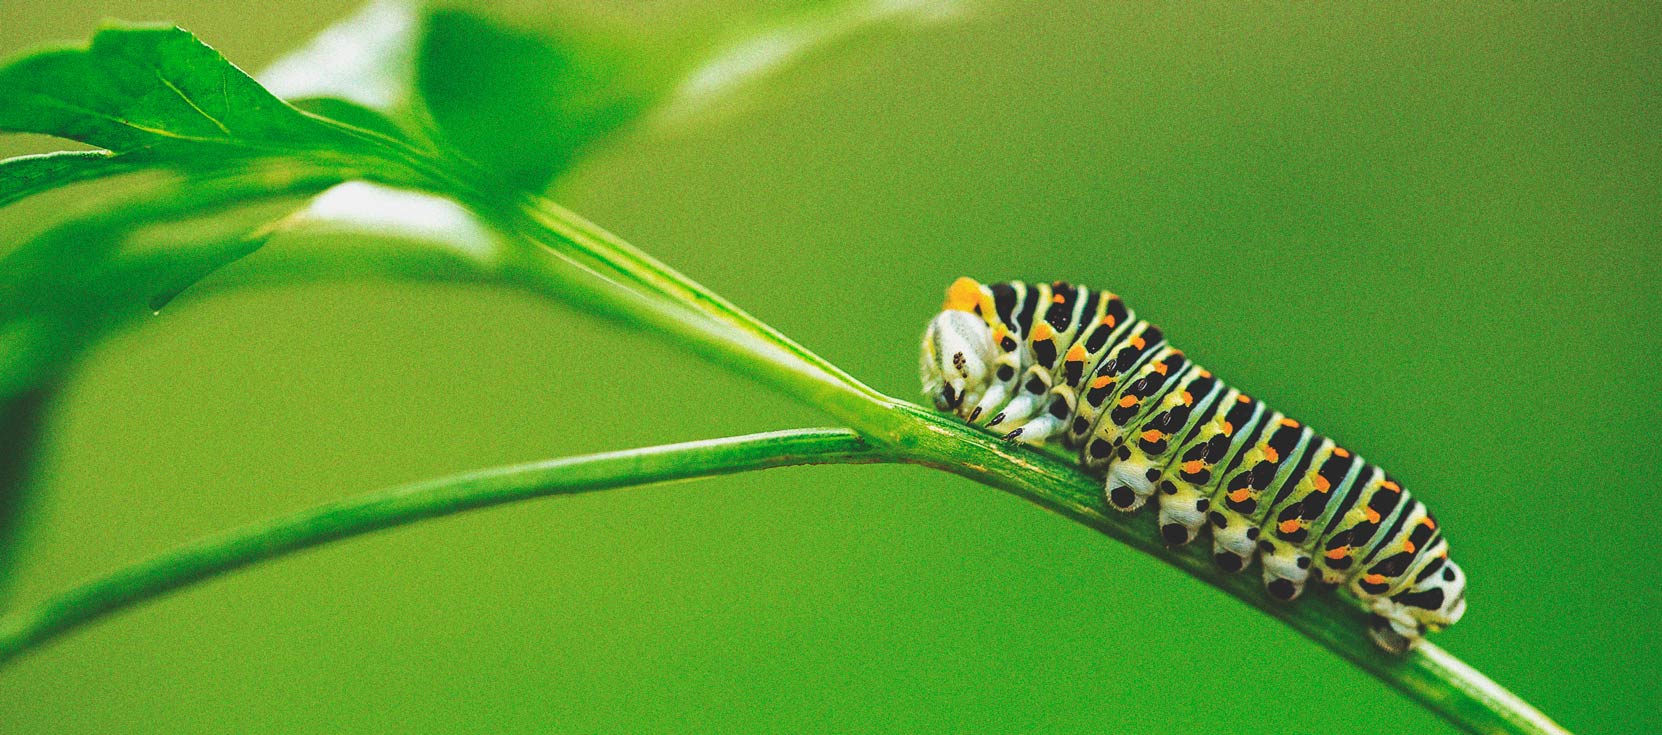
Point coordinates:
[(25, 175), (136, 87), (355, 115), (156, 97), (374, 96), (21, 418), (525, 106)]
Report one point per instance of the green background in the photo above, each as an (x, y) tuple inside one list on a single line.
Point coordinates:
[(1432, 232)]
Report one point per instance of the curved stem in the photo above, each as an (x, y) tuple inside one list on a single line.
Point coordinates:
[(25, 629)]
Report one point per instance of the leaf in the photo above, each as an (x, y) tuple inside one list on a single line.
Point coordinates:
[(521, 105), (137, 87), (63, 288), (385, 96), (358, 116), (21, 418), (156, 97), (527, 105), (25, 175)]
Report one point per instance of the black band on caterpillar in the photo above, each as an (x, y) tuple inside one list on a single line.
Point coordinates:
[(1041, 362)]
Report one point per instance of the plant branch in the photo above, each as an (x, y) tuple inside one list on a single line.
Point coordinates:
[(575, 260), (1427, 675), (799, 371), (25, 629)]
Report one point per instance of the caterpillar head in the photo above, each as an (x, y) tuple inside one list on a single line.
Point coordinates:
[(1431, 603), (957, 355)]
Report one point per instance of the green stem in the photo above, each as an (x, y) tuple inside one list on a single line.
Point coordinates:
[(795, 369), (1427, 675), (578, 261), (25, 629)]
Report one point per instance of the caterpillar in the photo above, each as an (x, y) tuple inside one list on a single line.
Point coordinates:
[(1040, 362)]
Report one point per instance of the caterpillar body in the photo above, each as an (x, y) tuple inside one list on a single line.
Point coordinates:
[(1041, 362)]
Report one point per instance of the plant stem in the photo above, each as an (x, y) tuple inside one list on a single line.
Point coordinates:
[(580, 262), (26, 629), (1427, 675), (786, 365)]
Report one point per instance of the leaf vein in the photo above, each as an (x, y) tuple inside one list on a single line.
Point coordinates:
[(191, 102)]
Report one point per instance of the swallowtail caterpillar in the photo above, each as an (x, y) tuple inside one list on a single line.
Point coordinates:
[(1057, 362)]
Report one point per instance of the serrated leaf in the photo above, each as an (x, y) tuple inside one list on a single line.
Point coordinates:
[(136, 87), (155, 96)]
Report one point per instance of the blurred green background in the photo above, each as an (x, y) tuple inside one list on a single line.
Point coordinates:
[(1431, 231)]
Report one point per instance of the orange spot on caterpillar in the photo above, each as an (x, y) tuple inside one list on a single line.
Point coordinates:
[(1043, 332), (1109, 321), (963, 295), (1288, 526), (1161, 368), (1428, 522), (1138, 342), (1205, 373), (1322, 484), (1128, 401), (1240, 495), (1374, 579), (1152, 435), (1393, 487), (1102, 381), (1188, 398), (1193, 466), (1289, 423), (1271, 455), (1408, 546), (1243, 398), (1076, 353), (1228, 428), (1339, 553), (1373, 515), (1341, 452), (1057, 299)]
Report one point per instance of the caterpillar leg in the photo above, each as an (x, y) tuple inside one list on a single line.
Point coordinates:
[(998, 391), (1029, 402), (1053, 421), (1391, 635), (1183, 509), (1286, 568), (1130, 479), (1234, 540)]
